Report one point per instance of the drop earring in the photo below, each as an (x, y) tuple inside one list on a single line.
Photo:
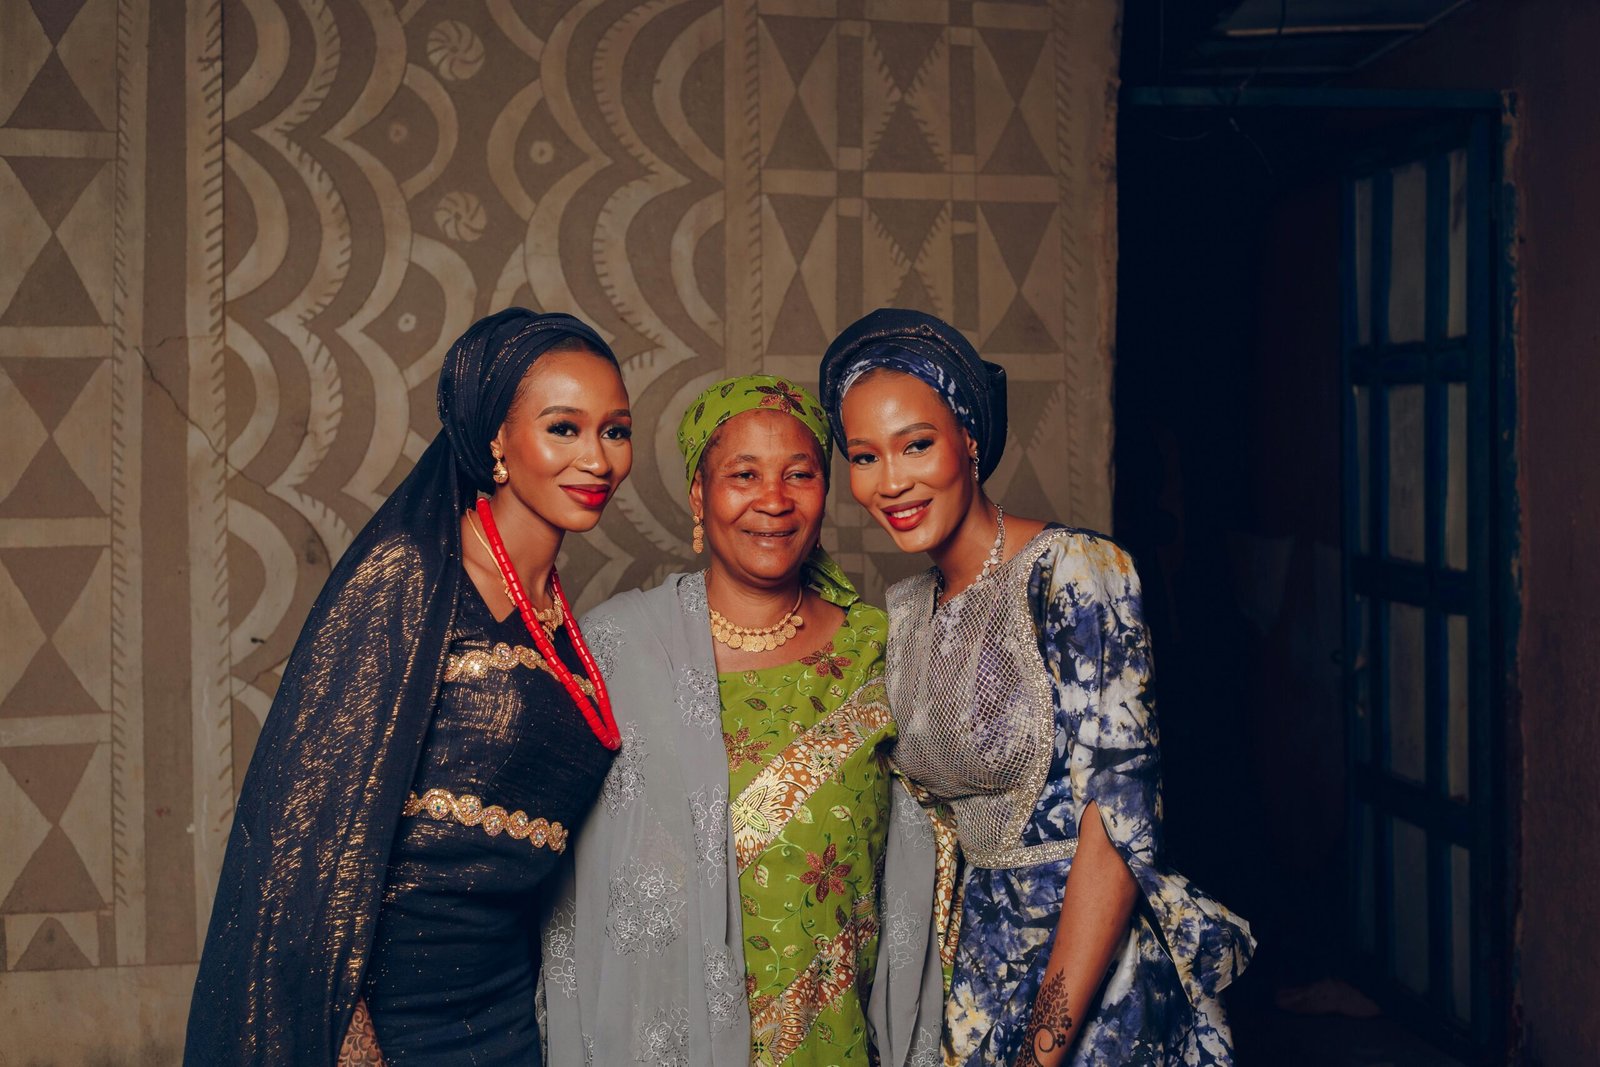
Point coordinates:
[(500, 474), (699, 536), (976, 477)]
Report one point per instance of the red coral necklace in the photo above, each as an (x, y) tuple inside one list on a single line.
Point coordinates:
[(601, 723)]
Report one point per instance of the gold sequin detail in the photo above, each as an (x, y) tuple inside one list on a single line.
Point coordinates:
[(503, 657), (468, 810)]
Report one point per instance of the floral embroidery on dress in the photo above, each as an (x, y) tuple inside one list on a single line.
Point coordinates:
[(604, 638), (624, 783), (644, 909), (826, 662), (809, 824), (664, 1038), (697, 698), (827, 873), (724, 989), (559, 960), (692, 595), (709, 808), (742, 750)]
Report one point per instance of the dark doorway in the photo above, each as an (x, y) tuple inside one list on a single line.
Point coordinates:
[(1292, 648)]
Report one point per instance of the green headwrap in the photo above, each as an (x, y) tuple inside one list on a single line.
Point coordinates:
[(758, 392)]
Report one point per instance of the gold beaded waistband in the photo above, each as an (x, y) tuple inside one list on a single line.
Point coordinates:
[(468, 810)]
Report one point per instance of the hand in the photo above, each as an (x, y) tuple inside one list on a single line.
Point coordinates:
[(1050, 1026), (360, 1048)]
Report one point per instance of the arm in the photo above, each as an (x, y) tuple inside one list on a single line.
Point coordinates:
[(1095, 912), (1095, 644)]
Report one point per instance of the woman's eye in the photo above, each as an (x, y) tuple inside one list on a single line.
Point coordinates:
[(918, 446), (861, 459), (803, 475), (619, 433), (562, 429)]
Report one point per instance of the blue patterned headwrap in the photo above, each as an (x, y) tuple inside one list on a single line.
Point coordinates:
[(935, 353)]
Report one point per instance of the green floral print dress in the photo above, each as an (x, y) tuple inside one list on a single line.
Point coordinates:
[(810, 784)]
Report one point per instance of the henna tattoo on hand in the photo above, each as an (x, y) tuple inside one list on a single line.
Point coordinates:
[(360, 1048), (1050, 1026)]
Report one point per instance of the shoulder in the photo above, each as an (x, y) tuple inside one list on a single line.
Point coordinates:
[(639, 605), (900, 596), (1081, 559), (862, 615), (382, 564)]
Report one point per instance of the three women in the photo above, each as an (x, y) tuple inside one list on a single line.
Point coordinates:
[(757, 882)]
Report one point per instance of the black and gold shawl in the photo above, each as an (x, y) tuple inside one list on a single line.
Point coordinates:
[(297, 904)]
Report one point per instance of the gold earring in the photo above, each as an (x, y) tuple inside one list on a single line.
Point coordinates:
[(500, 474), (699, 536)]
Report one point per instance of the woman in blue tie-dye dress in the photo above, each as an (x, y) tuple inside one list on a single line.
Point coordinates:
[(1018, 670)]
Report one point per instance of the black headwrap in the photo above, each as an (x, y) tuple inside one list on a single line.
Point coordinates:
[(297, 904), (934, 352)]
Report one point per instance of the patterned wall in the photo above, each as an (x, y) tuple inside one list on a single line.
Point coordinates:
[(238, 238)]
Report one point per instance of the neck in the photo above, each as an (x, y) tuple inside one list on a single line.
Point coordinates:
[(962, 554), (749, 605), (531, 542)]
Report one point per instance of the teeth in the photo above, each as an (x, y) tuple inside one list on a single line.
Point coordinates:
[(906, 513)]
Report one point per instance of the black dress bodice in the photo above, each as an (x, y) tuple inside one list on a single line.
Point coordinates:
[(452, 973)]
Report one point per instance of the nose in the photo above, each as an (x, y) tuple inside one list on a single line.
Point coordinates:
[(594, 461), (893, 477), (775, 498)]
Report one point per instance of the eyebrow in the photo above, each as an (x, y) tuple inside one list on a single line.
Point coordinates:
[(746, 457), (558, 409), (901, 432)]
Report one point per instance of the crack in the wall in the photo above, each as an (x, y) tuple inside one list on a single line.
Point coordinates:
[(218, 451)]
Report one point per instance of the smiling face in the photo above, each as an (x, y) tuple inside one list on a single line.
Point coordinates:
[(567, 440), (761, 492), (910, 459)]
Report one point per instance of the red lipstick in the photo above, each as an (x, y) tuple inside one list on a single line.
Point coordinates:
[(905, 517), (593, 497)]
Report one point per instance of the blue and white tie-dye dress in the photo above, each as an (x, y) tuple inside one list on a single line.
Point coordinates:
[(1159, 1004)]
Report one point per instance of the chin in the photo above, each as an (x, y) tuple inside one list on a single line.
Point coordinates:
[(569, 517), (768, 569), (579, 520), (926, 536)]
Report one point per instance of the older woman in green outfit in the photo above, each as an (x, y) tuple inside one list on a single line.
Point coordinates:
[(755, 886)]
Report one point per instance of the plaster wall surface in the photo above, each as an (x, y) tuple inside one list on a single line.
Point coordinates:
[(238, 238)]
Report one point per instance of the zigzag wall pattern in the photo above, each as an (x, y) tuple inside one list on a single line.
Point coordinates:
[(230, 279)]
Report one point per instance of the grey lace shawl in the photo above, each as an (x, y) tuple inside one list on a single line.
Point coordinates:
[(643, 949)]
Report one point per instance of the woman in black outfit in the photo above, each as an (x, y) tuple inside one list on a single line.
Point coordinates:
[(439, 731)]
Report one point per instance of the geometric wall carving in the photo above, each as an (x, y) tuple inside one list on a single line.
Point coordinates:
[(238, 239)]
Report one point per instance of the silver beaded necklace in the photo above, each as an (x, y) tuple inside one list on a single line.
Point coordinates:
[(999, 545), (996, 552)]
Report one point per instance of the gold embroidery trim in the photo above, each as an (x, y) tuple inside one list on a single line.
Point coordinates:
[(468, 810), (502, 657)]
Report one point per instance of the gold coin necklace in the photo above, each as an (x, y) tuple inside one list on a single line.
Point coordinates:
[(549, 618), (761, 639)]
